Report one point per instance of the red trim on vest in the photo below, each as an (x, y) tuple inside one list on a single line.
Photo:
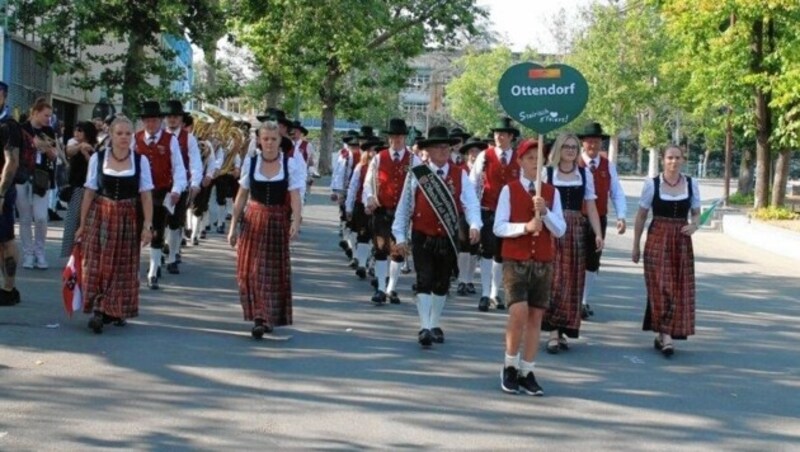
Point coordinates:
[(602, 185), (425, 220), (495, 176), (391, 177), (160, 158), (183, 143), (541, 248)]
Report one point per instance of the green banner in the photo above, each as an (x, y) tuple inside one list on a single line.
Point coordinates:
[(543, 98)]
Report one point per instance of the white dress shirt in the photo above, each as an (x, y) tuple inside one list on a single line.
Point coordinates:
[(195, 159), (554, 220), (617, 194), (297, 180), (176, 159), (341, 170), (405, 209), (479, 166), (369, 180), (649, 190), (145, 176), (352, 189)]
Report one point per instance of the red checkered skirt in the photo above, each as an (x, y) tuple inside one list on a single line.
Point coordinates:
[(263, 267), (111, 247), (669, 276), (569, 266)]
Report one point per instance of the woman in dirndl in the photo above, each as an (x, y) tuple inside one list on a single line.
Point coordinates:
[(114, 225), (266, 216), (79, 149), (356, 212), (576, 188), (668, 254)]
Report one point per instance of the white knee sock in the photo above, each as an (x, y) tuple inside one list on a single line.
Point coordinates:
[(587, 285), (381, 270), (436, 310), (486, 277), (362, 253), (473, 265), (512, 361), (155, 262), (424, 303), (497, 279), (394, 275), (174, 242), (197, 224), (463, 267)]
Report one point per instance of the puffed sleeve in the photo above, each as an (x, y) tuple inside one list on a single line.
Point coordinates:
[(91, 173), (297, 174), (695, 194), (648, 191), (145, 176), (244, 176)]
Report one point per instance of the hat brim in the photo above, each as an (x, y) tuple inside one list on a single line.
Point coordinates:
[(174, 113), (461, 136), (510, 130), (397, 132), (465, 148), (349, 139), (370, 144), (593, 135), (435, 141)]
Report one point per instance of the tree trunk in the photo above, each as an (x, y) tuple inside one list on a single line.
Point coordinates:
[(211, 68), (274, 91), (706, 156), (613, 148), (745, 186), (763, 120), (652, 167), (330, 98), (781, 177), (133, 75)]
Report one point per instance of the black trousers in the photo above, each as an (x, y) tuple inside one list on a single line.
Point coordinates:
[(383, 240), (434, 262), (226, 188), (592, 255), (464, 246), (490, 243), (178, 219), (201, 201), (159, 218)]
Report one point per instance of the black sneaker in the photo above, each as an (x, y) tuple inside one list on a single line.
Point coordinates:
[(361, 272), (379, 297), (6, 298), (586, 311), (438, 335), (483, 304), (425, 338), (471, 289), (498, 303), (152, 283), (173, 269), (509, 380), (461, 291), (528, 385), (393, 298)]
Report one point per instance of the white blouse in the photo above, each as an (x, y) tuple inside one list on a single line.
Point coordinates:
[(588, 195), (297, 173), (648, 191), (145, 177)]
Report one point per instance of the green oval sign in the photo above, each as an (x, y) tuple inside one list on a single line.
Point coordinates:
[(543, 98)]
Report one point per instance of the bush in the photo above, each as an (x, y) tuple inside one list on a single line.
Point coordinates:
[(775, 213), (738, 199)]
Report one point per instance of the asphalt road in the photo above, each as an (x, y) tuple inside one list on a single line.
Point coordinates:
[(186, 375)]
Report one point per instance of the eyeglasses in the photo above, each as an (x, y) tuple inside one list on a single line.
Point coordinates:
[(569, 147)]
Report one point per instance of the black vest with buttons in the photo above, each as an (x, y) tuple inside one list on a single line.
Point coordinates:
[(671, 209), (269, 193), (571, 196), (118, 187)]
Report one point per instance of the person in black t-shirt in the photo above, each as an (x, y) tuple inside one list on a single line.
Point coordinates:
[(79, 149), (10, 143), (32, 194)]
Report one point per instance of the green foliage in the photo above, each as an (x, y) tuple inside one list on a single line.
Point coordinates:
[(739, 199), (774, 213)]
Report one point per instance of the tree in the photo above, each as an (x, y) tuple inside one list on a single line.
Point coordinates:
[(319, 42), (75, 35)]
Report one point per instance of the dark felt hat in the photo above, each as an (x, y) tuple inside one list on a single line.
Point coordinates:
[(367, 133), (506, 124), (472, 142), (150, 109), (298, 125), (397, 126), (458, 132), (351, 137), (593, 130), (274, 114), (437, 135), (372, 142), (174, 108)]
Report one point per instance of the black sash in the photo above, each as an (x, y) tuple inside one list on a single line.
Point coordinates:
[(440, 199)]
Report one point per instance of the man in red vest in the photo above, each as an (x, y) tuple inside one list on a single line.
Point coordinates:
[(528, 250), (344, 164), (382, 189), (435, 199), (606, 185), (193, 162), (493, 168), (169, 177)]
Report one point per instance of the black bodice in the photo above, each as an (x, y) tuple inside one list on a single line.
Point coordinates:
[(269, 193), (671, 209), (118, 187), (571, 196)]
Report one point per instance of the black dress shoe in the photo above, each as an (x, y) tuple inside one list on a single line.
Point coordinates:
[(203, 235), (461, 290), (483, 304), (343, 245), (498, 303), (96, 324), (228, 217), (379, 297), (393, 298), (52, 215), (173, 269), (152, 283), (471, 289), (353, 263), (187, 233), (586, 311), (361, 272), (178, 259), (195, 242), (438, 335), (425, 338), (349, 253)]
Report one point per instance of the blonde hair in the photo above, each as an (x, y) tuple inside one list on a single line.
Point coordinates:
[(118, 120), (269, 126), (555, 151)]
